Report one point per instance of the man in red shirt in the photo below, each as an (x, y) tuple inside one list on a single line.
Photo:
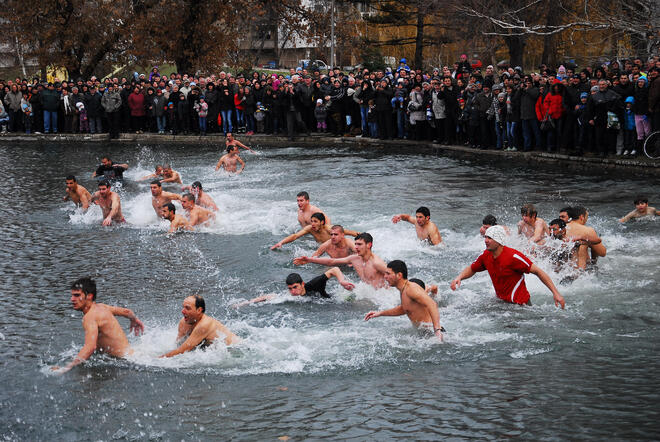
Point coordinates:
[(507, 268)]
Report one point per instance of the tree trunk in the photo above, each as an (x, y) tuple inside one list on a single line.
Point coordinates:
[(419, 40), (516, 44), (549, 56)]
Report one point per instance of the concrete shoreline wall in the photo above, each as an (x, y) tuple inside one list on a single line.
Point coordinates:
[(590, 165)]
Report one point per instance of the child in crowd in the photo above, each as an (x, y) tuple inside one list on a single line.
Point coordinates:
[(583, 123), (26, 107), (372, 119), (321, 113), (170, 112), (499, 111), (82, 116), (629, 131), (641, 209), (259, 117), (641, 109), (202, 109), (4, 118)]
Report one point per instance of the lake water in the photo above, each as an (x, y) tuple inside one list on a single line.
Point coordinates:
[(313, 369)]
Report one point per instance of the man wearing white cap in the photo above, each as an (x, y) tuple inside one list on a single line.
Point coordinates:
[(507, 268)]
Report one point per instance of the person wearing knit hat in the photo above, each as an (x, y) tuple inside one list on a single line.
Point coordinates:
[(507, 268)]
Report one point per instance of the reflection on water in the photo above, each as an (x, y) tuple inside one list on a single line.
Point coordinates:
[(504, 371)]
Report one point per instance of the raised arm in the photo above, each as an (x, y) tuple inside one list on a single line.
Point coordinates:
[(150, 176), (136, 327), (465, 274), (173, 179), (113, 211), (85, 200), (304, 231), (545, 279), (340, 278), (403, 217)]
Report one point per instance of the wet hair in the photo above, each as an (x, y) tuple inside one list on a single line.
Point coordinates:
[(319, 216), (424, 211), (577, 212), (557, 222), (638, 199), (529, 210), (157, 182), (86, 285), (106, 157), (489, 220), (73, 178), (230, 148), (304, 195), (398, 266), (197, 185), (199, 302), (105, 183), (419, 282), (293, 278), (170, 207), (167, 167), (566, 209), (189, 197), (338, 227), (366, 237)]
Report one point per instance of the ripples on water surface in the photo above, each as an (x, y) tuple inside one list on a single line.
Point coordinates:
[(312, 369)]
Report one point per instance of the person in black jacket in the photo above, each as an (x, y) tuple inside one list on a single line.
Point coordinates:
[(382, 99), (450, 94), (600, 108)]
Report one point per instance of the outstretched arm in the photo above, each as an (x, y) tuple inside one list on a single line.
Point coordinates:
[(85, 199), (256, 300), (435, 236), (465, 274), (136, 327), (239, 144), (340, 277), (396, 311), (539, 231), (292, 237), (322, 248), (422, 298), (113, 211), (628, 217), (545, 279), (403, 217), (323, 261), (220, 161)]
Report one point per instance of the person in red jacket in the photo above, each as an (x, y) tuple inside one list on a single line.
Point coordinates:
[(136, 106), (553, 107), (239, 102)]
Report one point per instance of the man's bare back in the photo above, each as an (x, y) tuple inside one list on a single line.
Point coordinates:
[(198, 215), (111, 337), (536, 232), (371, 269), (341, 250)]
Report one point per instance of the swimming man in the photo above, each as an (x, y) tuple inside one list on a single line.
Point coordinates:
[(102, 330), (199, 329), (426, 229), (160, 197), (228, 161), (176, 221), (196, 215), (77, 193), (109, 203)]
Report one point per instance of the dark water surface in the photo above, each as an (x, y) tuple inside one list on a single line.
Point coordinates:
[(311, 369)]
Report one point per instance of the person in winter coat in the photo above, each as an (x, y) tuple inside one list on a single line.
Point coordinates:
[(362, 95), (529, 95), (159, 104), (68, 110), (182, 115), (12, 106), (417, 112), (137, 110), (94, 110), (321, 114), (212, 97), (50, 101), (640, 108), (226, 102), (553, 104), (26, 107), (602, 108), (250, 108), (383, 100), (202, 110), (111, 103)]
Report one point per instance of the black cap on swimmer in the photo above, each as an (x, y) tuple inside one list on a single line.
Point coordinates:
[(419, 282), (294, 278)]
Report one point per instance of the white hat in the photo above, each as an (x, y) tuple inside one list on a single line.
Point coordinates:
[(496, 233)]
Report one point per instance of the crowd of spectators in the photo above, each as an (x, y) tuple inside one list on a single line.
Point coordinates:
[(606, 109)]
